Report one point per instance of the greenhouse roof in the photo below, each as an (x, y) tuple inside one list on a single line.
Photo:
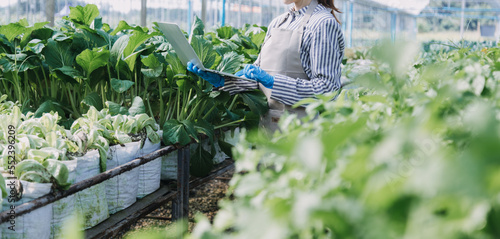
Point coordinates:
[(413, 7)]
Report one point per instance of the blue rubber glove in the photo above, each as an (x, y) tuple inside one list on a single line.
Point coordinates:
[(256, 73), (240, 73), (212, 78)]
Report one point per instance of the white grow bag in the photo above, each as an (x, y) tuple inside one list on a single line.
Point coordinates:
[(219, 156), (91, 203), (149, 173), (121, 190), (169, 164), (35, 224), (232, 137), (63, 209)]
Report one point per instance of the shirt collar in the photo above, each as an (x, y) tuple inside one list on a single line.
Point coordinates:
[(300, 12)]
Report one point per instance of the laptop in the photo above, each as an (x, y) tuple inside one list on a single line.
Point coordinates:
[(184, 50)]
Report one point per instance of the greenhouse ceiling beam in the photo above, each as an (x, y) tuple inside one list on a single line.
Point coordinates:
[(457, 9), (457, 16)]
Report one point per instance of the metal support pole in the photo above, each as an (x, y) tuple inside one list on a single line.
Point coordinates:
[(344, 16), (50, 8), (144, 10), (350, 22), (223, 13), (239, 13), (394, 18), (462, 21), (180, 206), (204, 11), (8, 12), (190, 15)]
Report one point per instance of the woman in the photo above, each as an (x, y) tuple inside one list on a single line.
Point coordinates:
[(300, 58)]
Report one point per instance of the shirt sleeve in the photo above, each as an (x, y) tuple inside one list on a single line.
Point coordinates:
[(326, 53)]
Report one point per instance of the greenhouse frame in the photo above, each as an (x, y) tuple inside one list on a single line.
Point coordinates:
[(363, 21), (192, 119)]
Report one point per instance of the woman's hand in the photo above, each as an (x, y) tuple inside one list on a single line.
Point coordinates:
[(212, 78), (256, 73)]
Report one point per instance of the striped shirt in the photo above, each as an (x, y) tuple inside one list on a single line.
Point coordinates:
[(321, 54)]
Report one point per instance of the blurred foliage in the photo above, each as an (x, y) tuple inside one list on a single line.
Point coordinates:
[(412, 152)]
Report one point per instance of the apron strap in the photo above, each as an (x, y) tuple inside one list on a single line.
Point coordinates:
[(305, 20), (309, 12)]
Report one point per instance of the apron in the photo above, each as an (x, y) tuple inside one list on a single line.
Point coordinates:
[(280, 54)]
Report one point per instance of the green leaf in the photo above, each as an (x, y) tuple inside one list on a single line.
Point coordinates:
[(98, 23), (226, 148), (251, 120), (154, 65), (117, 49), (32, 171), (84, 15), (47, 107), (12, 30), (68, 74), (258, 38), (197, 29), (59, 172), (91, 60), (89, 39), (203, 127), (152, 135), (35, 47), (256, 101), (231, 62), (136, 40), (93, 99), (35, 177), (38, 31), (178, 132), (373, 98), (226, 32), (121, 86), (122, 25), (137, 107), (115, 109), (131, 60), (58, 54), (174, 63), (184, 85), (201, 162), (3, 186), (205, 50)]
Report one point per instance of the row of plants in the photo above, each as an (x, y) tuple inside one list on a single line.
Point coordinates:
[(412, 152), (82, 93), (84, 64)]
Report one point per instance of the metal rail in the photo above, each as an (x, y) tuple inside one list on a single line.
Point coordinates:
[(87, 183), (123, 220)]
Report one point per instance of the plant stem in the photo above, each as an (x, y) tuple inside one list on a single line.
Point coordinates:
[(39, 85), (194, 110), (229, 124), (103, 96), (149, 106), (72, 101), (162, 107), (210, 111), (234, 101), (46, 81), (178, 104)]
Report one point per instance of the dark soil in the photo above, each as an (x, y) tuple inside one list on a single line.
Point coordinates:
[(203, 199)]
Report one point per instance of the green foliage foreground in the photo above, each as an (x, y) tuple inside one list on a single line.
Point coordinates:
[(411, 153)]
